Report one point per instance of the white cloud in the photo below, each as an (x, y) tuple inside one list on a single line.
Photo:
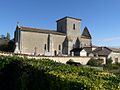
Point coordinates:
[(109, 39)]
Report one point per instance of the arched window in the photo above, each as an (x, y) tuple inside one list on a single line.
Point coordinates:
[(73, 26), (59, 47)]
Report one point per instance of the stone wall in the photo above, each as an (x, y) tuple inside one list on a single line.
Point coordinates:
[(62, 26), (57, 41), (74, 33), (33, 40), (83, 60), (86, 42), (69, 26)]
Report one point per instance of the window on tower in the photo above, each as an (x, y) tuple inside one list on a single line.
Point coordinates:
[(73, 26)]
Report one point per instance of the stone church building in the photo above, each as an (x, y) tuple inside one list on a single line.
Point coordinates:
[(61, 42)]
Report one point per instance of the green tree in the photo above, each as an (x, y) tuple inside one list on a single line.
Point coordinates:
[(109, 61), (11, 46), (8, 36)]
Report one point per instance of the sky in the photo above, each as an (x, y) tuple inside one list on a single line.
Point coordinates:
[(101, 17)]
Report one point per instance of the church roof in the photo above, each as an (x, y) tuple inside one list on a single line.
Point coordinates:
[(86, 33), (39, 30)]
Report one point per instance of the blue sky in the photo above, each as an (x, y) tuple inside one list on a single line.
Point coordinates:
[(102, 17)]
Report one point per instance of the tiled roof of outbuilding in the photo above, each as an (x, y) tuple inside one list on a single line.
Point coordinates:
[(105, 51), (88, 49), (102, 51)]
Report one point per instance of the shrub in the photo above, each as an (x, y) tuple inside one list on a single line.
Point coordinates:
[(95, 62), (71, 62), (109, 61), (30, 74), (115, 66)]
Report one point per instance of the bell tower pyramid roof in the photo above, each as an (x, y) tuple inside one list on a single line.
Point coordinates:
[(86, 33)]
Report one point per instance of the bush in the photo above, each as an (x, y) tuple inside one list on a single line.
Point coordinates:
[(71, 62), (109, 65), (30, 74), (115, 66), (95, 62), (109, 61)]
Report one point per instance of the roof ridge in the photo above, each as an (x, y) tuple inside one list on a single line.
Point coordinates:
[(23, 28), (35, 28)]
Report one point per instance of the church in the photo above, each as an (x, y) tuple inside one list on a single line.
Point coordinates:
[(67, 40)]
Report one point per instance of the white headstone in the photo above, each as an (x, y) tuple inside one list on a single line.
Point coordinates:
[(16, 48)]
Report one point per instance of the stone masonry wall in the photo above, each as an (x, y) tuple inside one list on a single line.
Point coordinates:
[(82, 60), (32, 40)]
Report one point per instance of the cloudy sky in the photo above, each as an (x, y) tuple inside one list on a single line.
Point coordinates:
[(102, 17)]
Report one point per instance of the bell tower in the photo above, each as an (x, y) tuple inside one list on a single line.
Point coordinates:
[(70, 26)]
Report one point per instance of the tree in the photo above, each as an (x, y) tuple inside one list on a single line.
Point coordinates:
[(2, 36), (109, 61), (8, 36), (11, 46)]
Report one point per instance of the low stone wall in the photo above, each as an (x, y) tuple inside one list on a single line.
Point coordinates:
[(82, 60), (63, 59)]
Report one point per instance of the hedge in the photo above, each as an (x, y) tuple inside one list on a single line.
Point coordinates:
[(30, 74), (95, 62)]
